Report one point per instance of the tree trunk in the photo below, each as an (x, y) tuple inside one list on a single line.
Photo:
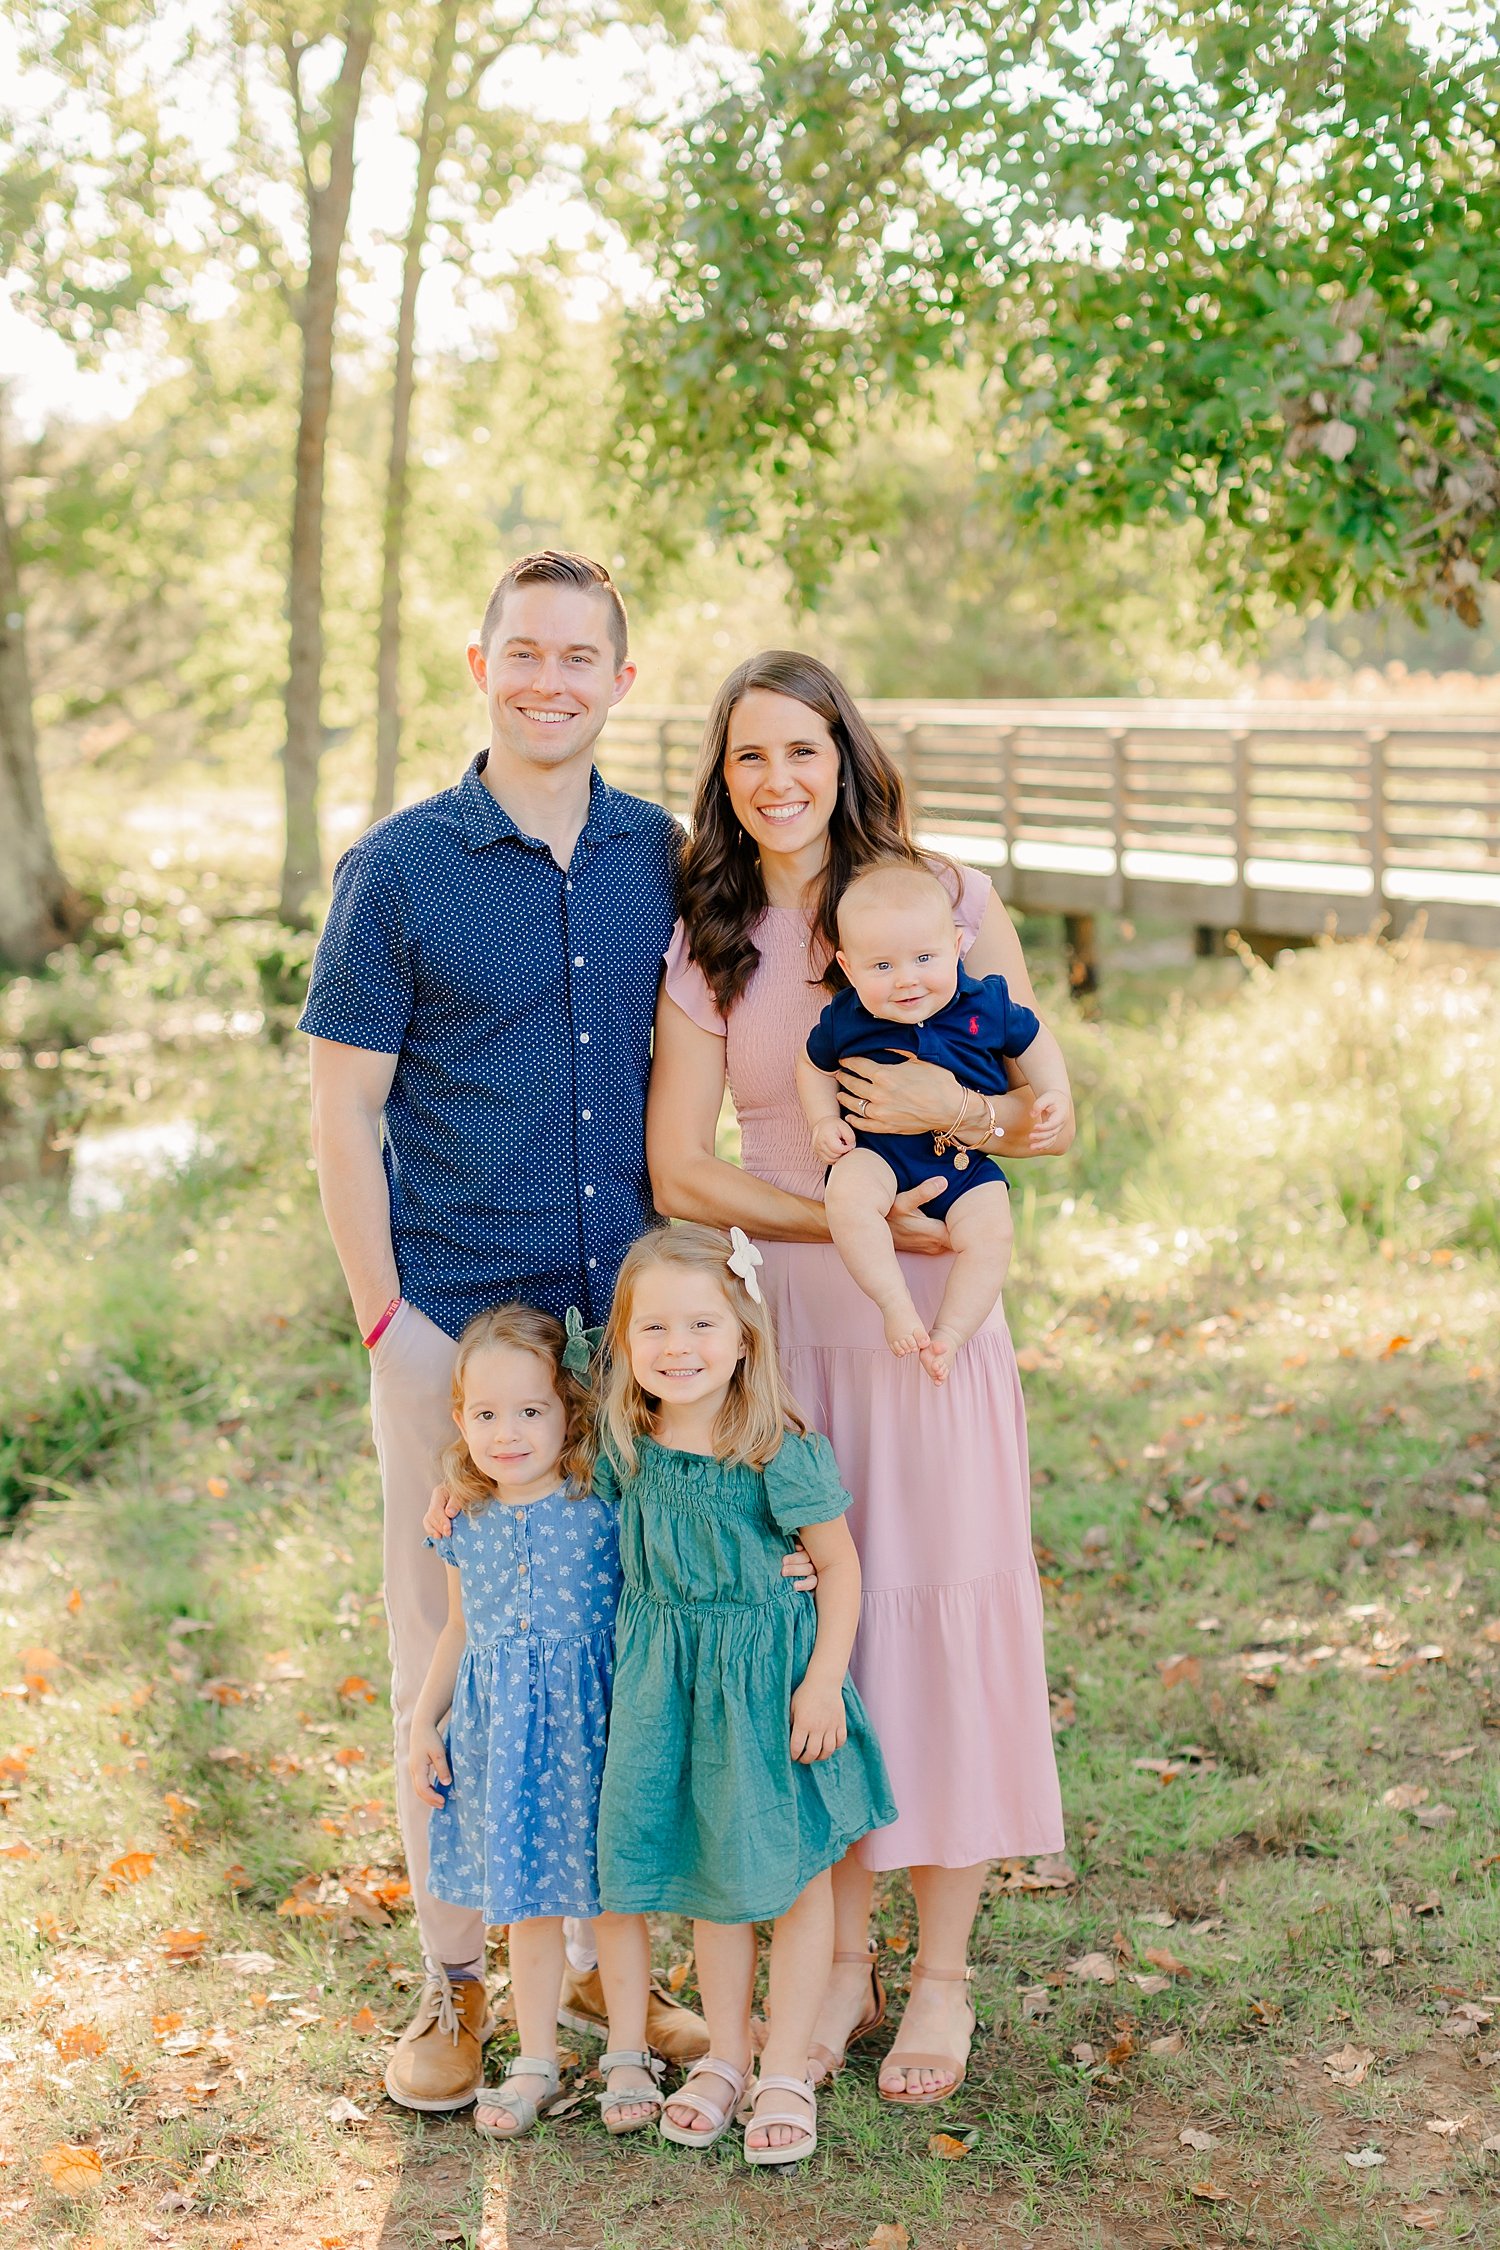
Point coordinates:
[(430, 146), (38, 909), (327, 224)]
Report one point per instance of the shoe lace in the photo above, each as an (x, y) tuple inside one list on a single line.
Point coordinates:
[(437, 1995)]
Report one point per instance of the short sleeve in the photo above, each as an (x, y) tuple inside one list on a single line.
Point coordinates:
[(974, 893), (688, 986), (445, 1548), (362, 987), (823, 1040), (802, 1483)]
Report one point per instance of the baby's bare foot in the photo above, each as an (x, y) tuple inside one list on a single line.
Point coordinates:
[(937, 1354), (903, 1329)]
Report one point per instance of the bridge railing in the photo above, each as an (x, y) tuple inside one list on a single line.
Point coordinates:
[(1273, 817)]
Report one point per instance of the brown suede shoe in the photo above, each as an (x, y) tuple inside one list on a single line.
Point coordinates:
[(672, 2031), (438, 2062)]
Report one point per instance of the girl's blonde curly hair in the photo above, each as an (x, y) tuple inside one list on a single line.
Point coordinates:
[(759, 1410), (524, 1329)]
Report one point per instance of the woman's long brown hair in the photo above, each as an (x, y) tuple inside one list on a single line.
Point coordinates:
[(723, 892)]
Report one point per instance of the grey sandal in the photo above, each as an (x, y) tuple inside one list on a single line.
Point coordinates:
[(631, 2058), (519, 2106)]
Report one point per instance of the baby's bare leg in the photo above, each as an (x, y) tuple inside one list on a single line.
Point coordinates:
[(979, 1226), (861, 1189)]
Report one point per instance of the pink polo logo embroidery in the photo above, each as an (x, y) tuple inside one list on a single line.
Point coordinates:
[(974, 1026)]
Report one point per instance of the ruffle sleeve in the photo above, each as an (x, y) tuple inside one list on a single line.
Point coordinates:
[(445, 1548), (687, 985), (803, 1484), (605, 1484), (974, 889)]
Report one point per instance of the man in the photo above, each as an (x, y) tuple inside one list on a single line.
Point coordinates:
[(484, 991)]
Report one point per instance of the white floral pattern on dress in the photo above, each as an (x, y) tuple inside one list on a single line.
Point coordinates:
[(515, 1835)]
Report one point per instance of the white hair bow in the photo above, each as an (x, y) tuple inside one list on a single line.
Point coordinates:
[(743, 1260)]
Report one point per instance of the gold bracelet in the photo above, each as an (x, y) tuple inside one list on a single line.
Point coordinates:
[(948, 1138)]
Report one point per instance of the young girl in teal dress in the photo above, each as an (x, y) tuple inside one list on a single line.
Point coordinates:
[(507, 1738), (740, 1765)]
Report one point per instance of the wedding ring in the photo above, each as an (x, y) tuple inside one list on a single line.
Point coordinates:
[(864, 1105)]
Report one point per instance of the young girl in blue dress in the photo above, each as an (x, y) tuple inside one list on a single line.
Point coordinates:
[(741, 1766), (522, 1670)]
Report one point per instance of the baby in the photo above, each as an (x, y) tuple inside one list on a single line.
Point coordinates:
[(899, 949)]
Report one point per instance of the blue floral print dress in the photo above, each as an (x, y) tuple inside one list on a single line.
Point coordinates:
[(514, 1837)]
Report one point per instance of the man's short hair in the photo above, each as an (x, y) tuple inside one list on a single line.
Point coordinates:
[(552, 567)]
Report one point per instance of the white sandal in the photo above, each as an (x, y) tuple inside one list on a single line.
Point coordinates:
[(808, 2127), (722, 2113), (631, 2058), (521, 2107)]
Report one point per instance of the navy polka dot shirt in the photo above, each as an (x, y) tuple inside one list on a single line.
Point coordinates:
[(518, 1000)]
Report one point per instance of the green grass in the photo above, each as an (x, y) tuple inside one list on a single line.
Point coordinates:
[(1261, 1376)]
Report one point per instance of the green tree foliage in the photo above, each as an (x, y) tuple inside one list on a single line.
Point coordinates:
[(1237, 266)]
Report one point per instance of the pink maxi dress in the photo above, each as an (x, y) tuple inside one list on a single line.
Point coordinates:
[(949, 1658)]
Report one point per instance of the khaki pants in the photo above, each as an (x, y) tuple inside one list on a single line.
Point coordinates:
[(411, 1376)]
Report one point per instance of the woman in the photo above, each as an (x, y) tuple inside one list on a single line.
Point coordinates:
[(793, 795)]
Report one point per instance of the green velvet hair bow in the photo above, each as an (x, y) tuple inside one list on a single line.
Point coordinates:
[(581, 1345)]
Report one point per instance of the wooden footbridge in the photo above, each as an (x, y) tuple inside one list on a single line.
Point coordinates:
[(1278, 820)]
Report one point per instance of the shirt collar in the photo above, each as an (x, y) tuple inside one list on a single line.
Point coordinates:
[(485, 821)]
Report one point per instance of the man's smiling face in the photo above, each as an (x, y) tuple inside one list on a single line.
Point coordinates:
[(550, 676)]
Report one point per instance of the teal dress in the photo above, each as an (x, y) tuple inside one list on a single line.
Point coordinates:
[(703, 1809)]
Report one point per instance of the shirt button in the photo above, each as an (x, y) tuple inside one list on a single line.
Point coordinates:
[(587, 1116), (522, 1568), (592, 1263), (583, 1038), (525, 1624), (578, 960), (588, 1191)]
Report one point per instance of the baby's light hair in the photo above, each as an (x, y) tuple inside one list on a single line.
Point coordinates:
[(759, 1409), (521, 1328), (894, 882)]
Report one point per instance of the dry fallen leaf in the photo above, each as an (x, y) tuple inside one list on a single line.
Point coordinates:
[(162, 2027), (130, 1867), (1491, 2144), (1451, 1757), (72, 2168), (76, 2040), (184, 1945), (677, 1975), (1170, 2043), (1349, 2066), (1150, 1984), (356, 1689), (889, 2237), (1190, 2137), (75, 1601), (1448, 2128), (1205, 2191), (1094, 1968), (1436, 1816), (345, 2112), (1035, 2001), (1167, 1962), (1406, 1796), (1083, 2054), (1420, 2216), (1364, 2160), (350, 1755), (365, 2021), (947, 2145)]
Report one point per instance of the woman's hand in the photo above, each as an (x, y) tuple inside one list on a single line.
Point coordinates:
[(818, 1722), (798, 1566), (442, 1510), (428, 1763), (902, 1097), (910, 1229)]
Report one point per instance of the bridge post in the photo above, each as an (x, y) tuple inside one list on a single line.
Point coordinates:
[(1119, 808), (1379, 839), (1239, 746)]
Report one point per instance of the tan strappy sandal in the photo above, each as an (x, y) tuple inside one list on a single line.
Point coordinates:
[(959, 2064), (824, 2063), (721, 2115)]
